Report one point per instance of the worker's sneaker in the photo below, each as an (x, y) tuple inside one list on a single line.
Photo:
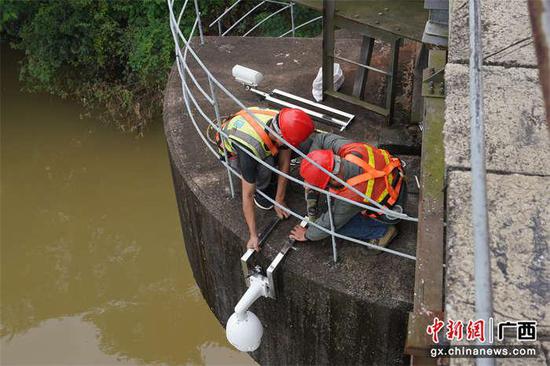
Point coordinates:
[(387, 238), (262, 202)]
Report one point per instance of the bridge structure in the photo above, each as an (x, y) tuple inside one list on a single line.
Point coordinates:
[(386, 311)]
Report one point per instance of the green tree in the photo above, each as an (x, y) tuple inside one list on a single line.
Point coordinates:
[(112, 56)]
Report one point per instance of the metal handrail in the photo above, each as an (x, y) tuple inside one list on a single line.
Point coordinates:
[(190, 99), (285, 5), (266, 18), (243, 17), (480, 222), (301, 25)]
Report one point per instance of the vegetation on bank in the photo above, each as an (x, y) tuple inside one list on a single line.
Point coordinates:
[(114, 56)]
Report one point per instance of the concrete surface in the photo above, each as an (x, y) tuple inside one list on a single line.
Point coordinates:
[(351, 312), (506, 33), (517, 156), (517, 137), (519, 222)]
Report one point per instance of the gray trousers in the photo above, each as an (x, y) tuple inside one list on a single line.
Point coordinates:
[(263, 174)]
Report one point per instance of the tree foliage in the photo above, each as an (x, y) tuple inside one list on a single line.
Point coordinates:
[(113, 56)]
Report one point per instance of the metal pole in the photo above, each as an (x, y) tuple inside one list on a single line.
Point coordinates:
[(292, 19), (219, 122), (482, 263), (198, 15), (334, 252), (328, 45), (302, 25)]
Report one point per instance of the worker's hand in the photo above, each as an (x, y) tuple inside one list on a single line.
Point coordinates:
[(298, 233), (253, 243), (282, 214)]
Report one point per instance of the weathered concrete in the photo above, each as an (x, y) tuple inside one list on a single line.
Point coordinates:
[(352, 312), (517, 138), (519, 222), (517, 156), (506, 33)]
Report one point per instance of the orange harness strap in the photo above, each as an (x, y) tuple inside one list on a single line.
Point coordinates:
[(259, 130), (371, 173)]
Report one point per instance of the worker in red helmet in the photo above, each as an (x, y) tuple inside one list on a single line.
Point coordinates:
[(372, 171), (249, 137)]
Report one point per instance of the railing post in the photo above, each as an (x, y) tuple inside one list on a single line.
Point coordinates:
[(198, 15), (334, 252), (292, 19), (219, 122)]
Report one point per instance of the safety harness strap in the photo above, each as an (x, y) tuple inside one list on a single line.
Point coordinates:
[(259, 129), (372, 173)]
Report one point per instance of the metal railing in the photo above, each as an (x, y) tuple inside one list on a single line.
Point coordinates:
[(480, 222), (182, 52), (284, 5)]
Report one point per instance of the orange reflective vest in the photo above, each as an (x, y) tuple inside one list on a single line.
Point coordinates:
[(382, 176)]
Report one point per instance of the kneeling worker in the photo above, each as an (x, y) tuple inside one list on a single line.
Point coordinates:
[(245, 133), (364, 167)]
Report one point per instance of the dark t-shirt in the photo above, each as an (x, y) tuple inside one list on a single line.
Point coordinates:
[(249, 166)]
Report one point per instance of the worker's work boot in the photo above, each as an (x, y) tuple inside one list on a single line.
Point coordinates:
[(387, 238)]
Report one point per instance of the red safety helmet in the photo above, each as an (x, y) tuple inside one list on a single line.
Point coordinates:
[(314, 175), (295, 125)]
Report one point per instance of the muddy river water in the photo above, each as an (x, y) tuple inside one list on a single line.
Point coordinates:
[(93, 267)]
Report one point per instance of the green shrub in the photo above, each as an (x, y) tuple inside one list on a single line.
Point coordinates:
[(112, 56)]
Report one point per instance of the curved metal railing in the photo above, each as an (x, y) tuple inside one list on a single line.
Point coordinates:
[(284, 5), (182, 52)]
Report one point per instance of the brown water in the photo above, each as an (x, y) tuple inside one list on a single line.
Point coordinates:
[(93, 267)]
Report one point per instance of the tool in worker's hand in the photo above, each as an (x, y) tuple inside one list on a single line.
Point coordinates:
[(322, 113), (246, 258), (312, 200)]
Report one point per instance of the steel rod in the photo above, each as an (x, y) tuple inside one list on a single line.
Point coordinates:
[(219, 122), (301, 25), (198, 15), (363, 66), (314, 104), (334, 253), (265, 19), (182, 10), (292, 19), (482, 262), (225, 12), (243, 17)]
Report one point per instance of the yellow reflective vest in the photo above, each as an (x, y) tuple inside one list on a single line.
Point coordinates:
[(246, 131)]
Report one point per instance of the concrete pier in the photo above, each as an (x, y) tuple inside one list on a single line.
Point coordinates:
[(349, 313)]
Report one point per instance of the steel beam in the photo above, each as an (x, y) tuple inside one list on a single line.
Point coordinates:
[(428, 284), (328, 45), (362, 73), (390, 91)]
